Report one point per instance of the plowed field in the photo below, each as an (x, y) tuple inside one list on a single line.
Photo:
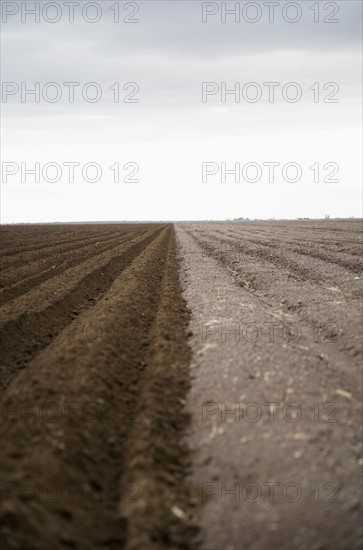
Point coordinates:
[(95, 368), (125, 347)]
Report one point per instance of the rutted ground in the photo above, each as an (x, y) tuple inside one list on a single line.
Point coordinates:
[(108, 378), (276, 392), (92, 423)]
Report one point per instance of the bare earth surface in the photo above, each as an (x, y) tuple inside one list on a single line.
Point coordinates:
[(187, 386), (276, 383), (95, 367)]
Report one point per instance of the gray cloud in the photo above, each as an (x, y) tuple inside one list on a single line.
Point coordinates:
[(169, 53)]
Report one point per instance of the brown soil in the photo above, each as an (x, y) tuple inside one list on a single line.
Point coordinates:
[(106, 370), (276, 429), (96, 370)]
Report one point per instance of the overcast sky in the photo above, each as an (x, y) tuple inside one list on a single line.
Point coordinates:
[(163, 140)]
